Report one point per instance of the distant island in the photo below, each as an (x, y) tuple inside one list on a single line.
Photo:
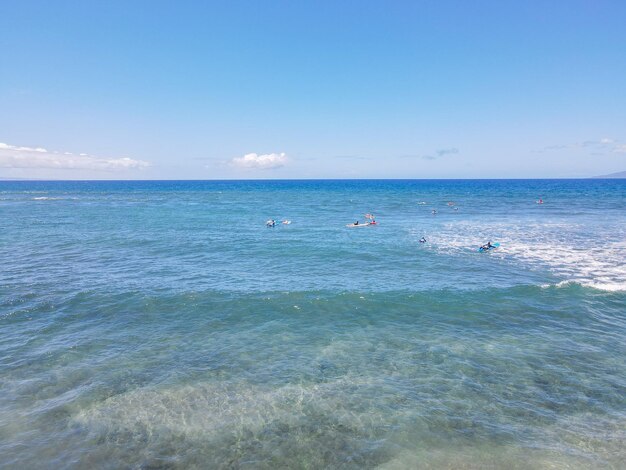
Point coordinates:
[(619, 174)]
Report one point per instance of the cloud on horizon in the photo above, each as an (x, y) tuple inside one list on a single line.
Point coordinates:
[(352, 157), (437, 154), (450, 151), (12, 156), (267, 161), (598, 146)]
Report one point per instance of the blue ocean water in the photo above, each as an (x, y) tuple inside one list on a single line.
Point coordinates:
[(162, 325)]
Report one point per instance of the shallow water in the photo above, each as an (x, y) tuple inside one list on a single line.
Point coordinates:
[(161, 325)]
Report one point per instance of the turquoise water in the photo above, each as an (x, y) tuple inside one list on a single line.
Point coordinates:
[(162, 325)]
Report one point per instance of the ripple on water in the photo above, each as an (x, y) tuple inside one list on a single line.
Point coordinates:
[(349, 379), (161, 325)]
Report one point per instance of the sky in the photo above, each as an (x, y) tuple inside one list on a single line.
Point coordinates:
[(312, 89)]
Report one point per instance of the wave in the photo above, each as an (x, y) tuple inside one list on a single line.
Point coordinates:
[(561, 248), (450, 304), (601, 267), (601, 286)]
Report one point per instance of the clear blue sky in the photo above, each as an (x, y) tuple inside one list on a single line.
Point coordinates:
[(343, 89)]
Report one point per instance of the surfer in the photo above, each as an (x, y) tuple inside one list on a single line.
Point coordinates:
[(423, 240), (270, 223), (486, 247)]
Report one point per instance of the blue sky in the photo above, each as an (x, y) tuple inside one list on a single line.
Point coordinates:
[(205, 90)]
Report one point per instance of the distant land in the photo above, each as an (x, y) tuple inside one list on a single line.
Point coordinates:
[(619, 174)]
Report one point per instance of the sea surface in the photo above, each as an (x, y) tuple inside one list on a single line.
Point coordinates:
[(158, 325)]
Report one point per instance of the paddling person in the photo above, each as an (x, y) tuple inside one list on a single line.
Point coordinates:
[(423, 240), (486, 247)]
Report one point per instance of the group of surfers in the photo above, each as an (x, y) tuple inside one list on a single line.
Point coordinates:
[(272, 223), (371, 220)]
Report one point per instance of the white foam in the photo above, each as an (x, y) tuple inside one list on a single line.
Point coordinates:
[(600, 267), (564, 249), (45, 198)]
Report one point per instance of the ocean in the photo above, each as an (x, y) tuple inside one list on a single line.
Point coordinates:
[(161, 324)]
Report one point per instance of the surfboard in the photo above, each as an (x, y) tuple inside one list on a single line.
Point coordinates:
[(493, 245)]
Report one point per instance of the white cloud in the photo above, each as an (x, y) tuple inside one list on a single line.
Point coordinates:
[(266, 161), (12, 156)]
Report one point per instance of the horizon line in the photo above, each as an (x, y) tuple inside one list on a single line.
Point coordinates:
[(8, 179)]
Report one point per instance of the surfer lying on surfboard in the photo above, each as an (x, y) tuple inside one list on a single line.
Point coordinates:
[(489, 246), (371, 221), (358, 224)]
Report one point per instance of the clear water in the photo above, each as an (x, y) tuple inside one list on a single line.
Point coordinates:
[(162, 325)]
